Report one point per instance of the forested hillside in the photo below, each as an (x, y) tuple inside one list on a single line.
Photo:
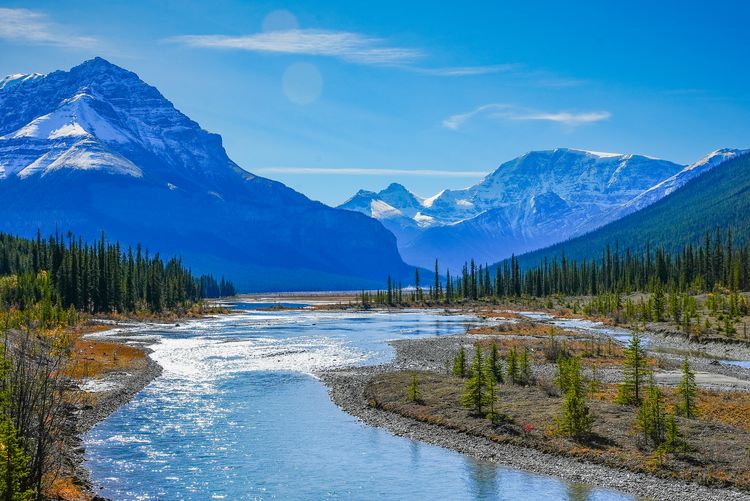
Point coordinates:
[(720, 198), (62, 273)]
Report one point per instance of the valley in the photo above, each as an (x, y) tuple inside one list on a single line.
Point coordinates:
[(569, 323)]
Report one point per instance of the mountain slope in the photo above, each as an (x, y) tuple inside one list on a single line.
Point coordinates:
[(95, 148), (395, 206), (718, 198), (530, 202)]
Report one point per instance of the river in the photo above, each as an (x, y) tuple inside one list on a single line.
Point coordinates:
[(238, 414)]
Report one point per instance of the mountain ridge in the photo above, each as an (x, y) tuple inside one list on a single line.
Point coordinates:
[(529, 202), (717, 198), (96, 148)]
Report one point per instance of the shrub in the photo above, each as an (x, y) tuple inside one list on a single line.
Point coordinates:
[(414, 393)]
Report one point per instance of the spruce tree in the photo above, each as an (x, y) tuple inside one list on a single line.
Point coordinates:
[(635, 372), (495, 365), (491, 397), (474, 394), (686, 391), (575, 420), (673, 440), (652, 419), (436, 290), (414, 392), (568, 369), (524, 368), (512, 367), (459, 363)]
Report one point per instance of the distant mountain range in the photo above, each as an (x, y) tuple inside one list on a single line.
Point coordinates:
[(96, 149), (528, 203), (719, 198)]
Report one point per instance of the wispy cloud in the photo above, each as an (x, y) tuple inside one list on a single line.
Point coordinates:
[(511, 112), (355, 171), (566, 117), (457, 120), (348, 46), (32, 27), (461, 71)]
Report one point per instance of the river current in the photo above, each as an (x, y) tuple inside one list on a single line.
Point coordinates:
[(238, 414)]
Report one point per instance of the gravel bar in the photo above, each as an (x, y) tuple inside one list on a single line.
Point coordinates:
[(347, 386)]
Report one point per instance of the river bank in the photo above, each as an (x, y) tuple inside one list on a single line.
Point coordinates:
[(347, 386), (109, 373), (348, 389)]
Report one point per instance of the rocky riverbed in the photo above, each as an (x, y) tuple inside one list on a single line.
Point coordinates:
[(347, 389), (102, 397)]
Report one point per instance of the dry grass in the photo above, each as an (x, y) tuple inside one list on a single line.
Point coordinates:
[(65, 488), (500, 314), (726, 407), (717, 455), (93, 358), (592, 352), (521, 328)]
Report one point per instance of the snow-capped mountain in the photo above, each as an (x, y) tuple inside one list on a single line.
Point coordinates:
[(669, 185), (395, 206), (535, 200), (95, 148)]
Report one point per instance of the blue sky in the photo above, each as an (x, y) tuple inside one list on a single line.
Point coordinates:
[(329, 97)]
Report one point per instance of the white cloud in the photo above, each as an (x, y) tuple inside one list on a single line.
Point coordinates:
[(460, 71), (566, 118), (31, 27), (352, 47), (353, 171), (456, 121), (510, 112)]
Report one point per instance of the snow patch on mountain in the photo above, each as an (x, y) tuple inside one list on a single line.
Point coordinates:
[(86, 155), (96, 148), (669, 185), (537, 199)]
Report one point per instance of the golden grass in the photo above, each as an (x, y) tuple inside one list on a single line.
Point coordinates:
[(64, 487), (92, 358), (726, 407), (717, 453)]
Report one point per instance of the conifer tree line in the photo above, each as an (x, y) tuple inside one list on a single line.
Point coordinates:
[(97, 277), (718, 262)]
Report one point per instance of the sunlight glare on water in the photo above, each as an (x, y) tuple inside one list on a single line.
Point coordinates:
[(237, 414)]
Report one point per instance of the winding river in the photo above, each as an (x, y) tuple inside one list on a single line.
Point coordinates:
[(238, 414)]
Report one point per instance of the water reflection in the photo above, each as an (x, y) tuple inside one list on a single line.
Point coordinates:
[(237, 415)]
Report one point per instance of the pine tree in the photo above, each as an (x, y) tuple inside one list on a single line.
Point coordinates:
[(494, 364), (459, 363), (14, 460), (673, 440), (524, 368), (686, 391), (491, 397), (474, 394), (576, 419), (414, 392), (635, 370), (568, 369), (436, 289), (652, 419), (512, 367)]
